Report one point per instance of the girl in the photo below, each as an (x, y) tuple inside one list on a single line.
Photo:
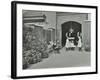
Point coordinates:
[(79, 41)]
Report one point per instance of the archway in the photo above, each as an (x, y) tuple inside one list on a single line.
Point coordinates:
[(65, 28)]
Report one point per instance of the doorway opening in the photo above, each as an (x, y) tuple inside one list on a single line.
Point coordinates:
[(66, 26)]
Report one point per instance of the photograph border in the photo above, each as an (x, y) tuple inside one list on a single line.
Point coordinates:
[(14, 38)]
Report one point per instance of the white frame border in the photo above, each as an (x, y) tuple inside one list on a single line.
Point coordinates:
[(35, 72)]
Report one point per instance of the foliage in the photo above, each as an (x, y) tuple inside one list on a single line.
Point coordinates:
[(33, 49)]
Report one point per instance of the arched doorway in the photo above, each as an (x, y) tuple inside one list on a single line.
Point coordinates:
[(65, 28)]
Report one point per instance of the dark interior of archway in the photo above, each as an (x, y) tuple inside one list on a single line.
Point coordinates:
[(65, 28)]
